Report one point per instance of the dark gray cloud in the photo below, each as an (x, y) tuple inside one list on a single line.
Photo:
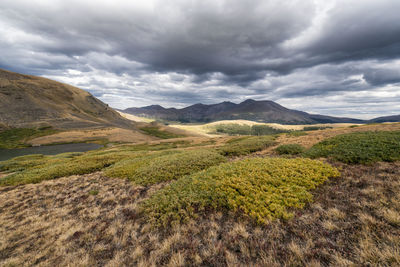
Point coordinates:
[(181, 52)]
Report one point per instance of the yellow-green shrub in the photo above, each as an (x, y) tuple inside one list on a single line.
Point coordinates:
[(154, 169), (246, 145), (261, 188), (361, 147), (289, 149), (51, 167)]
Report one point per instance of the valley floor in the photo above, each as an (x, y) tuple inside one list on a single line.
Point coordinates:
[(92, 220)]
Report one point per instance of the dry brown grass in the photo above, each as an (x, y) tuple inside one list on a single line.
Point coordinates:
[(110, 134), (353, 221)]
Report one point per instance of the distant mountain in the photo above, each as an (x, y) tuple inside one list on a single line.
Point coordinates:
[(28, 101), (261, 111), (395, 118)]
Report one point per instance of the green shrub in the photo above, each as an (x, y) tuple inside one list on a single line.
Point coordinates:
[(155, 168), (16, 138), (265, 130), (290, 149), (296, 133), (93, 192), (155, 131), (362, 147), (314, 128), (233, 129), (51, 167), (261, 188), (242, 129), (154, 147), (128, 167), (246, 146)]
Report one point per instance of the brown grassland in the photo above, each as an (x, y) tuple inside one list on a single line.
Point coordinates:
[(95, 220)]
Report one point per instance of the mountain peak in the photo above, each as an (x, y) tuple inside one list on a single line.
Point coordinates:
[(248, 101), (250, 109)]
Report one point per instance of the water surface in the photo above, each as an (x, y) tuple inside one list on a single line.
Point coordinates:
[(6, 154)]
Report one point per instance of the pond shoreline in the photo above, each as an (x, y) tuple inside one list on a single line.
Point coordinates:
[(6, 154)]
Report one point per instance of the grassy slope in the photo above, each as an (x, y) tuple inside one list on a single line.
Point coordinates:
[(19, 137), (353, 220)]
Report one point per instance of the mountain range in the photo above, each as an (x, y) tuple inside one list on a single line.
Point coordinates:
[(30, 101), (260, 111)]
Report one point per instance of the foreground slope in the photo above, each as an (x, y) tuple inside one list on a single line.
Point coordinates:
[(29, 101), (95, 220)]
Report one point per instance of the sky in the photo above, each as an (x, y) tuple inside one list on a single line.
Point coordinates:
[(338, 57)]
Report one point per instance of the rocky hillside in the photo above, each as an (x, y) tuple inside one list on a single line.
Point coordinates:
[(29, 101), (261, 111)]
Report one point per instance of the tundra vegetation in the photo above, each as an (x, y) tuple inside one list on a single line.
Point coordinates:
[(289, 149), (17, 137), (243, 129), (363, 147), (157, 132), (223, 202)]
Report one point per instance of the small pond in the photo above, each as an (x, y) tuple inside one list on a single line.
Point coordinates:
[(6, 154)]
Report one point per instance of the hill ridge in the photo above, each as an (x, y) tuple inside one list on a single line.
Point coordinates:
[(30, 101), (261, 111)]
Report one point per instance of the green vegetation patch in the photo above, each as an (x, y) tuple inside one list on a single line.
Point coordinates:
[(36, 168), (128, 159), (155, 168), (17, 138), (362, 147), (296, 133), (314, 128), (289, 149), (155, 131), (242, 129), (261, 188), (154, 147), (246, 145)]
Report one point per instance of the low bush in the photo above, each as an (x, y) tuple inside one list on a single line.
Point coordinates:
[(155, 131), (155, 168), (42, 168), (242, 129), (289, 149), (16, 138), (154, 147), (314, 128), (296, 133), (246, 145), (362, 147), (233, 129), (260, 188), (265, 130)]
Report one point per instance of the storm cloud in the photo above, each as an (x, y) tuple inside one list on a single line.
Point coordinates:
[(337, 57)]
